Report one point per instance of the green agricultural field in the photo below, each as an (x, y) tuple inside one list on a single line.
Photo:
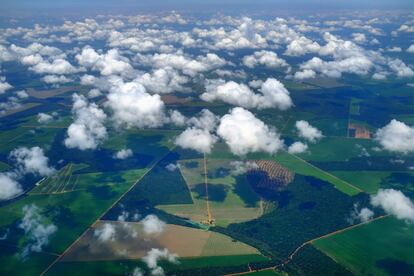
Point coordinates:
[(231, 198), (371, 181), (341, 149), (71, 212), (383, 247), (26, 137), (300, 166)]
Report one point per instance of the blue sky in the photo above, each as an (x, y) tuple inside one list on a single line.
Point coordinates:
[(182, 4)]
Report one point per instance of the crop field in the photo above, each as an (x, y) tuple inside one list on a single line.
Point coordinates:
[(300, 166), (192, 243), (63, 181), (71, 212), (364, 253), (229, 197), (371, 181)]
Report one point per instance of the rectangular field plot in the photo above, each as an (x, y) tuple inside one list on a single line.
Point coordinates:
[(131, 242), (300, 166), (63, 181), (382, 247), (371, 181), (230, 198)]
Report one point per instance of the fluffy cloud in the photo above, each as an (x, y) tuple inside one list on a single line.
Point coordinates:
[(244, 133), (310, 133), (396, 137), (198, 136), (362, 215), (200, 140), (246, 35), (205, 120), (56, 67), (301, 46), (172, 167), (36, 229), (359, 37), (105, 233), (9, 187), (32, 160), (400, 68), (179, 61), (152, 225), (87, 130), (165, 80), (305, 74), (347, 57), (266, 58), (395, 203), (411, 49), (241, 167), (133, 106), (359, 65), (154, 256), (111, 63), (297, 147), (123, 154), (4, 86), (53, 79), (272, 94), (44, 118), (177, 118), (93, 93)]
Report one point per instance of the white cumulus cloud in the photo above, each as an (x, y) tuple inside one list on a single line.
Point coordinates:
[(395, 203), (310, 133), (273, 94), (32, 160), (396, 137), (245, 133), (87, 130)]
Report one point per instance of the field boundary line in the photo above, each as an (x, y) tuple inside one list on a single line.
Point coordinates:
[(106, 210), (327, 173)]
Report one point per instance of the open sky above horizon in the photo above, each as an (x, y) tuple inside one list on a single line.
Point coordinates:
[(189, 4)]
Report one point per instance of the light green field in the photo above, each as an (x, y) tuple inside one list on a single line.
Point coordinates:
[(221, 245), (61, 182), (231, 205), (339, 149), (300, 166), (374, 248), (371, 181)]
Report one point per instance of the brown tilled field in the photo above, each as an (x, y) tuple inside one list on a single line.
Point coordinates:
[(358, 131), (184, 241)]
